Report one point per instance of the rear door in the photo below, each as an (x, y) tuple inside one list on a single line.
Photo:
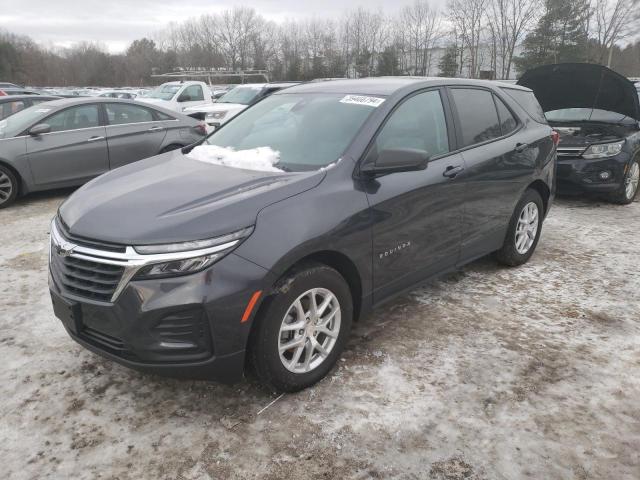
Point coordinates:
[(134, 132), (417, 215), (73, 152), (497, 164)]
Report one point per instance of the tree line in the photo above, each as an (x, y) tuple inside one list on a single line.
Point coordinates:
[(470, 38)]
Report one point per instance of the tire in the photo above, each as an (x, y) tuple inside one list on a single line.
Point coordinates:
[(629, 187), (280, 310), (169, 148), (8, 187), (512, 252)]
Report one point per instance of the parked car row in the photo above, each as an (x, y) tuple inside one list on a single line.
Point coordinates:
[(67, 142)]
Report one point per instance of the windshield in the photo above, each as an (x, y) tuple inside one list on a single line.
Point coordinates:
[(242, 95), (585, 115), (309, 131), (163, 92), (17, 123)]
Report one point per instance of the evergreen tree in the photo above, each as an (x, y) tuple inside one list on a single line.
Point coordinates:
[(448, 64), (561, 35), (388, 61)]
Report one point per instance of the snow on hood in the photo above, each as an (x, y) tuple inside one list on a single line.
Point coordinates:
[(261, 159)]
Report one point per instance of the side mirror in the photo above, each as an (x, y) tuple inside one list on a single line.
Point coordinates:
[(39, 129), (395, 160)]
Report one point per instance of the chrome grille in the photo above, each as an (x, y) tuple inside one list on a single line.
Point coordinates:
[(574, 152), (86, 278)]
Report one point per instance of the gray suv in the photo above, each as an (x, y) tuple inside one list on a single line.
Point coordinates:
[(67, 142)]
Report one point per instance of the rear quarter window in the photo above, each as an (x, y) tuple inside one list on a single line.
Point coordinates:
[(527, 100)]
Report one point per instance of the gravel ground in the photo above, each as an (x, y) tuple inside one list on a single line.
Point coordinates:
[(490, 373)]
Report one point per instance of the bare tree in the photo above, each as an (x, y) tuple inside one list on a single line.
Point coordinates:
[(468, 18), (614, 20), (422, 25), (508, 22)]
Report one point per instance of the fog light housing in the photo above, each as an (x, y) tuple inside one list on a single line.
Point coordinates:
[(604, 175)]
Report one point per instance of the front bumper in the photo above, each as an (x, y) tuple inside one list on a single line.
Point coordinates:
[(187, 327), (579, 174)]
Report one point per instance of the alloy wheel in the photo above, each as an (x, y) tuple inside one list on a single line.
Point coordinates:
[(527, 228), (631, 182), (6, 187), (309, 330)]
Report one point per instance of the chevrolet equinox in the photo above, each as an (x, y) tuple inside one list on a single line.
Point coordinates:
[(188, 268)]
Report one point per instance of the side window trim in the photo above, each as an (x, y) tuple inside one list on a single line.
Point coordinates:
[(447, 115), (458, 125), (518, 120)]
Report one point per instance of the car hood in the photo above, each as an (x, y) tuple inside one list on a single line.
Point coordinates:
[(215, 107), (172, 198), (582, 85)]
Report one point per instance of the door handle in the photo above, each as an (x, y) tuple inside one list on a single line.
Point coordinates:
[(452, 172), (94, 139), (154, 129), (521, 147)]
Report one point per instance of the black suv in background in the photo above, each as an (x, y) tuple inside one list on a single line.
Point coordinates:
[(178, 266), (597, 113)]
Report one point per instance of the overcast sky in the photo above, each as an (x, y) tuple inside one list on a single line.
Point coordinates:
[(116, 23)]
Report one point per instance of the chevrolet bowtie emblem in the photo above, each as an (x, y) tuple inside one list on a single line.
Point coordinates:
[(65, 249)]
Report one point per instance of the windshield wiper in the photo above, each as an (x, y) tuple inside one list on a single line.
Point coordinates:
[(282, 167)]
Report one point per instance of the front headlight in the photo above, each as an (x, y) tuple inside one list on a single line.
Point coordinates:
[(183, 258), (216, 115), (603, 150)]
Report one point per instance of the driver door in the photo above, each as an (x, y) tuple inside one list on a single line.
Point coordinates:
[(73, 152), (191, 96), (417, 216)]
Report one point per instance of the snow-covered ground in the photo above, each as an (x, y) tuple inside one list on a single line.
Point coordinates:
[(489, 373)]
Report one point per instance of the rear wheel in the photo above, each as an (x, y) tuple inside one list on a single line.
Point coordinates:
[(524, 230), (629, 188), (302, 330), (8, 187)]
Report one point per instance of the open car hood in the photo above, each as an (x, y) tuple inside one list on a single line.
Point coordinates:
[(582, 85)]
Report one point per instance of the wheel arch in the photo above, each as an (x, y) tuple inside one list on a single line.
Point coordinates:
[(544, 191), (339, 262), (19, 178)]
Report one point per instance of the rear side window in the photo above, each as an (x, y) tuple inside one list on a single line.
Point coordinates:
[(508, 123), (478, 116), (121, 113), (528, 101), (74, 118), (418, 123)]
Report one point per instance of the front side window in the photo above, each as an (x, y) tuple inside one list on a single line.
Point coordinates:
[(477, 114), (74, 118), (120, 113), (308, 131), (192, 93), (418, 123)]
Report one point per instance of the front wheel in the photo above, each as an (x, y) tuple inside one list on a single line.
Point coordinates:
[(302, 330), (524, 230), (629, 188)]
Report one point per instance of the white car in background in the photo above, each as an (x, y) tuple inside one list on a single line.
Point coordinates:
[(233, 102), (178, 96)]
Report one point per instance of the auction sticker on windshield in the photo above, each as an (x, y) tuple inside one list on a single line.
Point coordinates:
[(362, 100)]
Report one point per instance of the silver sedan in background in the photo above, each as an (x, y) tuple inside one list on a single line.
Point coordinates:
[(68, 142)]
